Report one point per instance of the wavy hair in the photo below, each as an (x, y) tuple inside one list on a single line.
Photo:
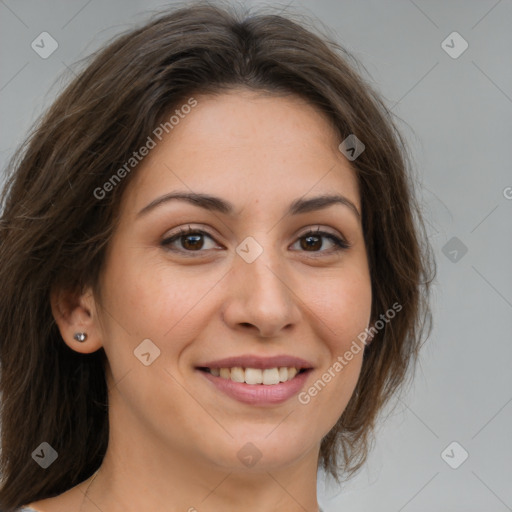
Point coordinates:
[(54, 231)]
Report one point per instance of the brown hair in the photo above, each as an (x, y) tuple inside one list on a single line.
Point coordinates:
[(54, 231)]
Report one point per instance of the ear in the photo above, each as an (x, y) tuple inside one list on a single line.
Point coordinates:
[(75, 312)]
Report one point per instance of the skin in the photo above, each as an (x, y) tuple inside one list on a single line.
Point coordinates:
[(174, 437)]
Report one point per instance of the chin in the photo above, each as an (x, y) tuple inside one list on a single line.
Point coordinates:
[(266, 451)]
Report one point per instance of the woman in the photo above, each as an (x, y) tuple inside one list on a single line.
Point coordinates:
[(214, 273)]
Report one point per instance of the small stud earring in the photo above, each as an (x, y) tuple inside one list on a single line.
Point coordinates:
[(80, 336)]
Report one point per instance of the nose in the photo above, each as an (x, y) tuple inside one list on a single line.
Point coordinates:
[(260, 297)]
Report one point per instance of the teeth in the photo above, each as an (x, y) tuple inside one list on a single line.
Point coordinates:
[(237, 374), (253, 376), (269, 376)]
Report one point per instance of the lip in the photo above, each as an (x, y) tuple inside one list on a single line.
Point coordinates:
[(258, 394), (262, 363)]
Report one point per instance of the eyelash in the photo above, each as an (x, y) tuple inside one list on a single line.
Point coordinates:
[(340, 243)]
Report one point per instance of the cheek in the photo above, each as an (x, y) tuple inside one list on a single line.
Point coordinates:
[(148, 300), (145, 301), (342, 305)]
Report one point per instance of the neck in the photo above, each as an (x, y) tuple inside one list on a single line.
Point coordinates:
[(135, 488)]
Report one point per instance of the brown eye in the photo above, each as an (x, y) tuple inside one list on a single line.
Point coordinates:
[(188, 240), (192, 242), (313, 241)]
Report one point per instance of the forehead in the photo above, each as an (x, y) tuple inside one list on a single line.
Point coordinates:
[(250, 145)]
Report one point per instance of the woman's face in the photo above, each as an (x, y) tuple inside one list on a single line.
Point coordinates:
[(250, 283)]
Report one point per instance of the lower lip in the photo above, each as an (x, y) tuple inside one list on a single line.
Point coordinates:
[(259, 394)]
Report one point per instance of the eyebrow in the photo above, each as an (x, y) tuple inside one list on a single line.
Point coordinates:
[(212, 203)]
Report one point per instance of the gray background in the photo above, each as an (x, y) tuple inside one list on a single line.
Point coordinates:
[(456, 115)]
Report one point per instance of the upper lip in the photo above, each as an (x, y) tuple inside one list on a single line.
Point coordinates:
[(253, 361)]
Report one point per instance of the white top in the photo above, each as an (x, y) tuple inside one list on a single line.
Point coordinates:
[(30, 509)]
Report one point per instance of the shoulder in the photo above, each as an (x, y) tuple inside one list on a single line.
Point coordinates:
[(61, 503), (69, 501), (49, 505)]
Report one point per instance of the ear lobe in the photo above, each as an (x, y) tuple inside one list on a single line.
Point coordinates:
[(74, 312)]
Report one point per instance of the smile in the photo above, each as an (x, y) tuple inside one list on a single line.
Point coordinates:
[(260, 394), (266, 377)]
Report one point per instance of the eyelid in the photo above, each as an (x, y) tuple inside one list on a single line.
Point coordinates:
[(323, 231), (340, 241), (184, 231)]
